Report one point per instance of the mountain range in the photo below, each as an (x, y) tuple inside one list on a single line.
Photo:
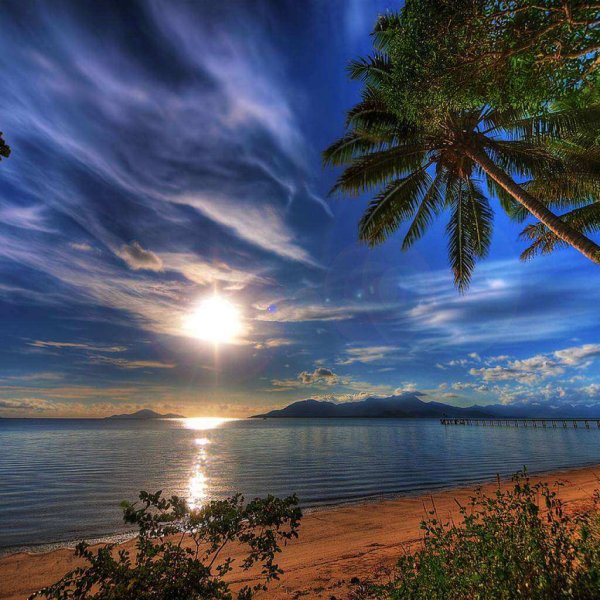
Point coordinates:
[(409, 405)]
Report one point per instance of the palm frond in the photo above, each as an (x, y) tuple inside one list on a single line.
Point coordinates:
[(480, 219), (378, 168), (431, 205), (544, 241), (469, 228), (565, 191), (373, 70), (384, 30), (372, 113), (349, 147), (523, 158), (500, 120), (555, 124), (585, 219), (394, 205)]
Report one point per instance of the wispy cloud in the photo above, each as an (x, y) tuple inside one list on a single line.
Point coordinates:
[(367, 354), (124, 363), (38, 376), (76, 346), (257, 223), (292, 311)]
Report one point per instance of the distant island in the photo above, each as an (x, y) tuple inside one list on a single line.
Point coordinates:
[(409, 405), (145, 413)]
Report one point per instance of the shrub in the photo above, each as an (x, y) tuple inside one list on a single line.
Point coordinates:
[(514, 544), (179, 551)]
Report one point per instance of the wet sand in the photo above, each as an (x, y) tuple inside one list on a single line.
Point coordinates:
[(335, 544)]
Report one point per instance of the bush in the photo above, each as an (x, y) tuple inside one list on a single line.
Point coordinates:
[(514, 544), (179, 551)]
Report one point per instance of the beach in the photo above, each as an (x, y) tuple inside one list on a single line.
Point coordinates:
[(335, 544)]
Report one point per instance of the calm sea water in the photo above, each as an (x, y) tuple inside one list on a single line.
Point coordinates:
[(62, 480)]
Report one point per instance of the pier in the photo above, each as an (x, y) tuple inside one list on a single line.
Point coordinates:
[(542, 423)]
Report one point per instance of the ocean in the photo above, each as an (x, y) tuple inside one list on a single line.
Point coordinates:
[(61, 480)]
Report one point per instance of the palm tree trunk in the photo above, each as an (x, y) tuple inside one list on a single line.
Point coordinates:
[(561, 229)]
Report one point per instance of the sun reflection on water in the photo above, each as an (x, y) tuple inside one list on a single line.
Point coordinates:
[(198, 489), (202, 423), (197, 486)]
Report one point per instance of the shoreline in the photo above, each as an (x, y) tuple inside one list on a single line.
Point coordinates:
[(122, 537), (336, 543)]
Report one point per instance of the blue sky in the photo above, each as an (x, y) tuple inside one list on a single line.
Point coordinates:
[(165, 150)]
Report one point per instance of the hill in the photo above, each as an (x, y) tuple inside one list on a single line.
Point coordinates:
[(407, 405), (146, 413)]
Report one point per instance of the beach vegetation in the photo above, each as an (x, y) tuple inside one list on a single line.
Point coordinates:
[(181, 552), (519, 543)]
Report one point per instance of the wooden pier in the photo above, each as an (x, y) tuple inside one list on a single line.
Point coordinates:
[(542, 423)]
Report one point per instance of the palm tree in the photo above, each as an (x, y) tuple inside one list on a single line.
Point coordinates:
[(421, 170), (576, 189)]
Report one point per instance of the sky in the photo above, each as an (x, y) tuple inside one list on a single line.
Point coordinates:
[(166, 151)]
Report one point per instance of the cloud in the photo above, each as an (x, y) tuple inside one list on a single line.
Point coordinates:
[(274, 343), (83, 247), (124, 363), (32, 217), (76, 346), (27, 405), (541, 366), (138, 258), (492, 313), (405, 388), (578, 356), (208, 273), (592, 390), (289, 311), (527, 371), (367, 354), (319, 375), (258, 223), (347, 387), (42, 376)]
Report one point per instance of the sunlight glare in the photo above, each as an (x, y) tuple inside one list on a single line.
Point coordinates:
[(197, 489), (215, 320), (203, 423)]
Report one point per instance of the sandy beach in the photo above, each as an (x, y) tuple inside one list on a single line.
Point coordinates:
[(335, 544)]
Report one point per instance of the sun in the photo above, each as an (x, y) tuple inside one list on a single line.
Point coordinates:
[(215, 320)]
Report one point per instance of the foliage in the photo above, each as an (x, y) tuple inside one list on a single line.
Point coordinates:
[(4, 148), (179, 550), (574, 191), (514, 544), (453, 55)]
